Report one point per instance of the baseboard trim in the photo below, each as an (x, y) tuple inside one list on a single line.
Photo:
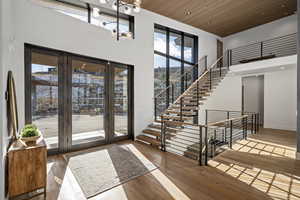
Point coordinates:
[(297, 155)]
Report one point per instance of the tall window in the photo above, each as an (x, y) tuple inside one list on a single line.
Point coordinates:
[(175, 53)]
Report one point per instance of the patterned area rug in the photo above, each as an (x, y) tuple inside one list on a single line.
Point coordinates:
[(100, 169)]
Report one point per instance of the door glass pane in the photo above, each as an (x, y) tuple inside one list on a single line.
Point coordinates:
[(44, 96), (120, 101), (175, 45), (188, 49), (88, 81)]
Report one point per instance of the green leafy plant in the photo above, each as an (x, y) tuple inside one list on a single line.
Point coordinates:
[(30, 130)]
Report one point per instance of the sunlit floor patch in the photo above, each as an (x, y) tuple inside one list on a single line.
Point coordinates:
[(266, 166), (168, 185)]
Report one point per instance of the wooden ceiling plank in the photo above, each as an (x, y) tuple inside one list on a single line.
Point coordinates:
[(222, 17)]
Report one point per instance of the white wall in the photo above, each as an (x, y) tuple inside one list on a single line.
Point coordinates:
[(1, 103), (227, 96), (279, 96), (6, 38), (45, 27), (281, 99), (284, 26)]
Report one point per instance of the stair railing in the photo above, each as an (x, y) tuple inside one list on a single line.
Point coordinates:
[(169, 92), (201, 141), (213, 115), (209, 74)]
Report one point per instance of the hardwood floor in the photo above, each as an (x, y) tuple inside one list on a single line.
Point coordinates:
[(262, 167)]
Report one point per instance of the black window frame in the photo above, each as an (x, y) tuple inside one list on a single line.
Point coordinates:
[(168, 57)]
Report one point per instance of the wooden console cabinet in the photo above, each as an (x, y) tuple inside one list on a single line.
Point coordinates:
[(27, 168)]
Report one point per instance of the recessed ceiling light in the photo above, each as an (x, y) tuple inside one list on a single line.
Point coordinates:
[(188, 12), (282, 68)]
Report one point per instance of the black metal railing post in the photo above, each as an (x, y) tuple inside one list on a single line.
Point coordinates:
[(200, 145), (186, 81), (181, 104), (196, 117), (172, 92), (257, 121), (206, 116), (205, 63), (220, 68), (198, 97), (213, 144), (246, 127), (206, 145), (261, 49), (255, 124), (252, 118), (155, 108), (226, 125), (210, 79), (162, 133), (228, 58), (230, 139)]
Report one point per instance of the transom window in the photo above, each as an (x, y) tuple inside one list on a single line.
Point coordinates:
[(84, 11)]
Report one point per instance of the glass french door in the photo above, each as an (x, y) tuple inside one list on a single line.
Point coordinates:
[(121, 102), (88, 100), (76, 101), (43, 107)]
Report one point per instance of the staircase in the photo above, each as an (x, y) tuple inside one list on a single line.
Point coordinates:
[(185, 108)]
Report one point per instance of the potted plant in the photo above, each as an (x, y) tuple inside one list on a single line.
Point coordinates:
[(30, 133)]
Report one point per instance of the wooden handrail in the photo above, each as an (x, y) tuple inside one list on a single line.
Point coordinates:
[(203, 126), (227, 120)]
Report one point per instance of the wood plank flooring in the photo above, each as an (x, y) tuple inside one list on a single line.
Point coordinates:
[(262, 167)]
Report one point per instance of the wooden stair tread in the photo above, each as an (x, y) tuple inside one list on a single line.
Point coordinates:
[(148, 139), (186, 107), (152, 132), (158, 126), (175, 117), (178, 112), (173, 123), (190, 103)]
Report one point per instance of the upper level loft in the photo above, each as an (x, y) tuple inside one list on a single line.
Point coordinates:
[(273, 48)]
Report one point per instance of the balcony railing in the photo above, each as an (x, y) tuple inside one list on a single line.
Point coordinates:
[(275, 47)]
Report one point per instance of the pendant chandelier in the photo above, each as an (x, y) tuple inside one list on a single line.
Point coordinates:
[(120, 6)]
